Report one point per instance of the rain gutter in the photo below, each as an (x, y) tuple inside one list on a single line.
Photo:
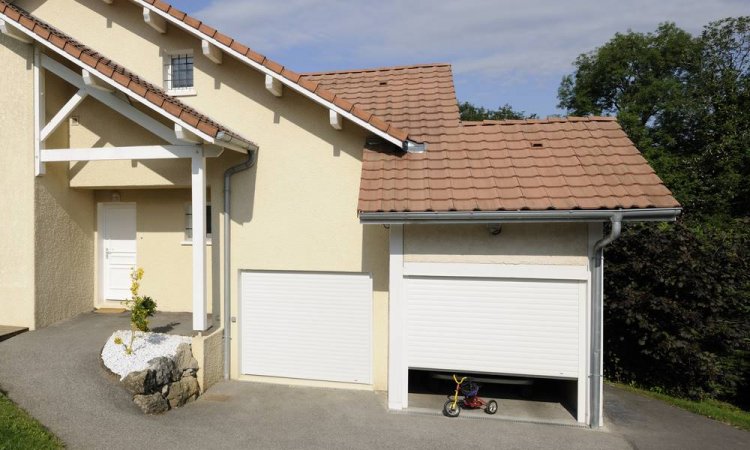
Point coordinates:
[(252, 158)]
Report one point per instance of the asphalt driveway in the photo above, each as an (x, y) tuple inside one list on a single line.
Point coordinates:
[(55, 374)]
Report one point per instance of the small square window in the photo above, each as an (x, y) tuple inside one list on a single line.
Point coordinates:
[(178, 73)]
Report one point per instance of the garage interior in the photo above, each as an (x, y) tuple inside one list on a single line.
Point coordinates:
[(525, 399)]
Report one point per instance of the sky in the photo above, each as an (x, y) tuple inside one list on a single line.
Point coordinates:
[(513, 52)]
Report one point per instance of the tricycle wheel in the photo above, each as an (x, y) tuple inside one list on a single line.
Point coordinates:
[(450, 409), (491, 407)]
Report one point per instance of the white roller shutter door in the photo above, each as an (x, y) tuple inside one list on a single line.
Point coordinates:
[(520, 327), (307, 325)]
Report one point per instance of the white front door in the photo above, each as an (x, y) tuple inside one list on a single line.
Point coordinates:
[(118, 249)]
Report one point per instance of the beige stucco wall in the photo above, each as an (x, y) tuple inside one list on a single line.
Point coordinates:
[(95, 129), (16, 184), (561, 243), (64, 230), (161, 248), (296, 210), (64, 256)]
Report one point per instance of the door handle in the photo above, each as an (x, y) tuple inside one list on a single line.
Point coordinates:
[(107, 252)]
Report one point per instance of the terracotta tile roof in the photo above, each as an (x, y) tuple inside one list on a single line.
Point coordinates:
[(420, 98), (308, 84), (117, 73), (564, 164)]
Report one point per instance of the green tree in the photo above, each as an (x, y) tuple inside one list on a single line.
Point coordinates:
[(683, 100), (471, 113), (677, 308)]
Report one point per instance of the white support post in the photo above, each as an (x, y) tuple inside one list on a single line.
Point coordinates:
[(155, 21), (398, 369), (211, 51), (39, 112), (200, 322), (274, 86), (63, 114), (335, 120)]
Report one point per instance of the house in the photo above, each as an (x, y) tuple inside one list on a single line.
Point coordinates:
[(330, 229)]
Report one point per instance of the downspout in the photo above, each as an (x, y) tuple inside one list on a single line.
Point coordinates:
[(597, 311), (252, 157)]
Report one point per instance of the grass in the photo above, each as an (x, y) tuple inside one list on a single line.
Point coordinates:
[(714, 409), (18, 430)]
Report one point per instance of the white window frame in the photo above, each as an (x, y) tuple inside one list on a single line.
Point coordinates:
[(188, 240), (167, 77)]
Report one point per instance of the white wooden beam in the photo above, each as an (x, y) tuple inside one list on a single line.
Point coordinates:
[(155, 21), (198, 185), (335, 119), (122, 107), (63, 114), (274, 86), (125, 153), (186, 135), (13, 32), (39, 111), (211, 51), (93, 82), (129, 92)]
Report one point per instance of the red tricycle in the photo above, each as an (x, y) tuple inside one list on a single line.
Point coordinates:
[(470, 400)]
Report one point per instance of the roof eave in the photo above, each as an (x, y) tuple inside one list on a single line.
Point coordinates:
[(266, 71), (575, 215), (234, 142), (238, 143)]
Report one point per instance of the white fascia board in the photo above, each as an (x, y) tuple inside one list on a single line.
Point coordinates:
[(111, 82), (265, 70), (123, 153), (12, 32), (492, 217)]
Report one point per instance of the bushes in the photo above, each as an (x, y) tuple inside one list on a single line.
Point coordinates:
[(677, 310)]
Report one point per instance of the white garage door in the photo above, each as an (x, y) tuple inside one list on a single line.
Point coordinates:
[(307, 325), (524, 327)]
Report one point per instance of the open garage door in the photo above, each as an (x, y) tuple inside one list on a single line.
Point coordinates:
[(492, 325), (307, 325)]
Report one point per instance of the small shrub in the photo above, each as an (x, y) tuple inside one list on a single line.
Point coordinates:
[(141, 308)]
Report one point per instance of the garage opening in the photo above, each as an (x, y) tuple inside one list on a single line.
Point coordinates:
[(521, 339), (518, 398)]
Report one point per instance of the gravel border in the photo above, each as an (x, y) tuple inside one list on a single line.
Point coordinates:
[(146, 347)]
